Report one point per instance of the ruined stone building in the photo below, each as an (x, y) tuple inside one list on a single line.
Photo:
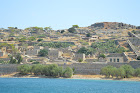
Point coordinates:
[(54, 54), (78, 57)]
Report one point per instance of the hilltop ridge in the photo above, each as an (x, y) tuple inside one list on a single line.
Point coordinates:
[(112, 25)]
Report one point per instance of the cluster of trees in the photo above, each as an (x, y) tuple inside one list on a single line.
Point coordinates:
[(101, 47), (52, 70), (15, 59), (39, 28), (107, 47), (87, 51), (56, 44), (125, 71)]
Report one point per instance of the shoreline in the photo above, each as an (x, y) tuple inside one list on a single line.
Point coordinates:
[(88, 77)]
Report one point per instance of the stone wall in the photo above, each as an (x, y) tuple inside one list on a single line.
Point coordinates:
[(8, 68), (135, 64), (80, 68)]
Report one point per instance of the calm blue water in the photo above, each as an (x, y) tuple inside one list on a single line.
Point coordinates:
[(43, 85)]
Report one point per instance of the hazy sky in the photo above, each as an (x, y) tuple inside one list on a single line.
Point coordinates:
[(62, 14)]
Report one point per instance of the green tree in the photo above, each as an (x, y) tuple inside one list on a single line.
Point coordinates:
[(12, 60), (137, 72), (37, 69), (107, 71), (60, 71), (87, 51), (43, 52), (113, 71), (68, 72), (129, 71), (83, 50), (24, 69), (75, 26), (18, 58), (53, 70), (120, 72)]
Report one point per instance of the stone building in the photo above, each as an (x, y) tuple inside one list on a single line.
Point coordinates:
[(54, 54), (117, 58), (33, 51), (79, 57), (91, 39)]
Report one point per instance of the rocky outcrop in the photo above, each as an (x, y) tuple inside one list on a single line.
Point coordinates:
[(111, 25)]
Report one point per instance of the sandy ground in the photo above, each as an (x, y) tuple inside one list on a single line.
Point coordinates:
[(100, 77), (93, 77)]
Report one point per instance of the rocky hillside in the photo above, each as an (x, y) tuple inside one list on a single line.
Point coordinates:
[(111, 25)]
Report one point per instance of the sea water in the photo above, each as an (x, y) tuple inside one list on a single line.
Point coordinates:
[(45, 85)]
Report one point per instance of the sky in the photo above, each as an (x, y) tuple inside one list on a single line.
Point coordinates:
[(62, 14)]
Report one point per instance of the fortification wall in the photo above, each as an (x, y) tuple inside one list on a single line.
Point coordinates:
[(80, 68), (8, 68), (135, 64)]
